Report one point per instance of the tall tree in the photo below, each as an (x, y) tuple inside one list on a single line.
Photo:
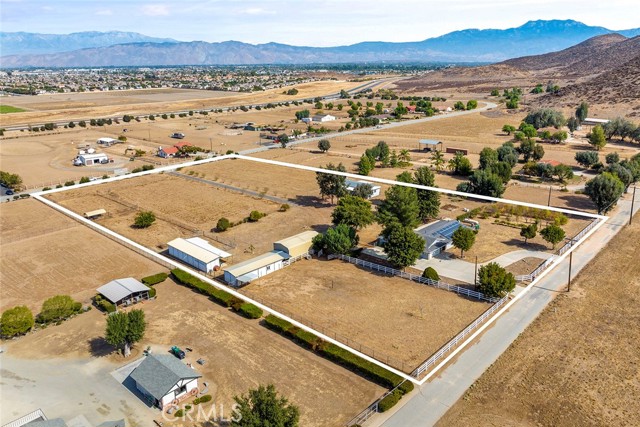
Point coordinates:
[(508, 153), (125, 329), (324, 145), (364, 191), (365, 166), (331, 185), (586, 158), (428, 200), (463, 238), (483, 182), (529, 232), (400, 205), (437, 158), (58, 307), (337, 240), (460, 165), (402, 245), (495, 281), (263, 407), (582, 111), (604, 190), (16, 321), (488, 156), (353, 211), (597, 138)]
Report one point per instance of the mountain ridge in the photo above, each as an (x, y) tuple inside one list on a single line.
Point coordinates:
[(470, 45)]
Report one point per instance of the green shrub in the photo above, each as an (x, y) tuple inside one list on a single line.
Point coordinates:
[(104, 304), (307, 339), (250, 311), (69, 183), (59, 186), (389, 401), (25, 196), (255, 216), (179, 413), (155, 279), (202, 399), (217, 295), (152, 292), (58, 308), (277, 324), (84, 180), (284, 207), (46, 189), (431, 273), (223, 224), (16, 321), (406, 387)]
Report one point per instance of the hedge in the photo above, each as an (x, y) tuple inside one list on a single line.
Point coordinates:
[(250, 311), (202, 399), (155, 279), (217, 295), (389, 401), (307, 339), (104, 304), (152, 292), (406, 387), (277, 324)]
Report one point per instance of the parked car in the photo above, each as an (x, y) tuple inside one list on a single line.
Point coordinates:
[(178, 353), (9, 192), (177, 135)]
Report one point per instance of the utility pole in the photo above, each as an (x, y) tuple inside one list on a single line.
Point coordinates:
[(549, 199), (475, 277), (633, 199), (570, 262)]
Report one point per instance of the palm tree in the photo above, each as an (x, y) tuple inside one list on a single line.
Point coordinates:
[(405, 156), (437, 158)]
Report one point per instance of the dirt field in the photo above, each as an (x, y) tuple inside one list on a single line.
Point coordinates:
[(86, 105), (239, 353), (187, 208), (340, 298), (577, 364), (41, 259)]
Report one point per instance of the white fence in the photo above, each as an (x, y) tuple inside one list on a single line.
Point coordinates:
[(460, 337), (370, 410), (414, 277), (560, 252)]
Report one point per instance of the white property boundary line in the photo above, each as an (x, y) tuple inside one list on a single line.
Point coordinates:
[(128, 242)]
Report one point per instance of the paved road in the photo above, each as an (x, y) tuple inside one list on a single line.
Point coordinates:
[(426, 406), (464, 270)]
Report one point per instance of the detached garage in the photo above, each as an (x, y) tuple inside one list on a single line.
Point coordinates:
[(254, 268), (197, 253), (296, 246)]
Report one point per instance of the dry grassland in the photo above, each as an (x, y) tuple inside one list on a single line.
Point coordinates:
[(239, 353), (45, 253), (577, 364), (340, 298)]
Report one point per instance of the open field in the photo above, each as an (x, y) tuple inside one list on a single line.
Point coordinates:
[(577, 364), (86, 105), (343, 299), (186, 208), (239, 353), (45, 253)]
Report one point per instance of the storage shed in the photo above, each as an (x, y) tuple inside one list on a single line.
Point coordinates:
[(296, 246), (197, 253), (164, 380), (125, 291), (107, 141), (254, 268)]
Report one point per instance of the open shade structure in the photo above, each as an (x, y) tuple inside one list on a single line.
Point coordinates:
[(430, 144)]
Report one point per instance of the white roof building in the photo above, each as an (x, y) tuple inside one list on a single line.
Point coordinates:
[(323, 118), (124, 291), (197, 253), (254, 268)]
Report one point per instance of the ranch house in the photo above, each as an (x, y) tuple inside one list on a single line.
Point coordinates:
[(167, 152), (197, 253), (164, 380), (437, 236)]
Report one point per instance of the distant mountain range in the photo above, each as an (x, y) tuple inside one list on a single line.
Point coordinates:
[(532, 38), (33, 43)]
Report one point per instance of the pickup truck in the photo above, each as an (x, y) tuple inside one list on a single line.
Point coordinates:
[(177, 352)]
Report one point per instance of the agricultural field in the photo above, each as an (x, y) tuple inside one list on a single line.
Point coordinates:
[(352, 305), (577, 364), (188, 207), (7, 109), (77, 106), (240, 354), (45, 253)]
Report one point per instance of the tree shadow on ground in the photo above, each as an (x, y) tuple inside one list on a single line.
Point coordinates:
[(99, 347), (578, 202), (313, 201), (528, 246)]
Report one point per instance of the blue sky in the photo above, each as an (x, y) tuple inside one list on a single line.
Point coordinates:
[(304, 22)]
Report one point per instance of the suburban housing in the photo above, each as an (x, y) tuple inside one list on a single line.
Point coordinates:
[(165, 380), (197, 253)]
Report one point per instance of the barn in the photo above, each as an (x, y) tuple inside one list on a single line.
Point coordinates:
[(107, 141), (323, 118), (197, 253), (296, 246), (164, 380), (254, 268), (125, 291)]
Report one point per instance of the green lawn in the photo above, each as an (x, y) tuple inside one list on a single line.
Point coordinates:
[(5, 109)]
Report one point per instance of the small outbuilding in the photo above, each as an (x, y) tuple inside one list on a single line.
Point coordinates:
[(296, 246), (254, 268), (164, 380), (322, 118), (95, 214), (107, 142), (430, 144), (92, 159), (125, 291), (351, 185), (197, 253)]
